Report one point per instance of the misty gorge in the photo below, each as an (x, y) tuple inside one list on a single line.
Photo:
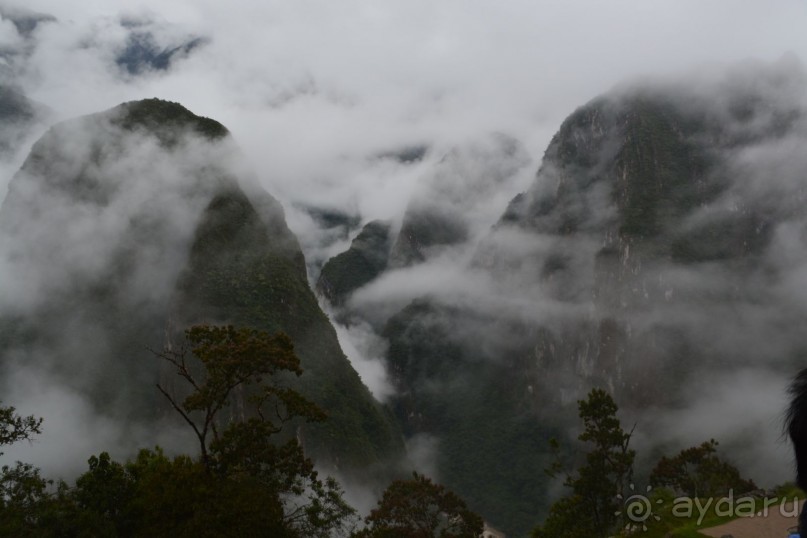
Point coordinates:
[(497, 277)]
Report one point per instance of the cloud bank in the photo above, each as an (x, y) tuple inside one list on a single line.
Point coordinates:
[(315, 91)]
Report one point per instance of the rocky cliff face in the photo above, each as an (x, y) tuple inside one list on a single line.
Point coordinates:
[(657, 254), (124, 227), (657, 203)]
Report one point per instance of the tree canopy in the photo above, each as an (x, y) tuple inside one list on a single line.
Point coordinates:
[(14, 427), (592, 508), (698, 472), (239, 370), (250, 478), (419, 508)]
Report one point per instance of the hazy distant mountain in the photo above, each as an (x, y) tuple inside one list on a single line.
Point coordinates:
[(439, 215), (660, 248), (18, 117), (124, 227), (24, 20), (142, 53), (663, 209), (20, 41), (367, 257)]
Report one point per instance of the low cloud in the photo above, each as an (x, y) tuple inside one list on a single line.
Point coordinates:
[(365, 351), (314, 92)]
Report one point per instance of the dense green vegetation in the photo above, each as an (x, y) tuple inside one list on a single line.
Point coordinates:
[(424, 507), (247, 480), (603, 501), (699, 472), (593, 509)]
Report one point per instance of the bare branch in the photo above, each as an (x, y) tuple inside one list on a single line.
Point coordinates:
[(184, 415)]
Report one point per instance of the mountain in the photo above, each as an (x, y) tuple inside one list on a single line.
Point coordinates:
[(658, 254), (18, 117), (142, 53), (442, 211), (450, 205), (367, 257), (24, 20), (657, 203), (20, 42), (122, 228), (447, 386)]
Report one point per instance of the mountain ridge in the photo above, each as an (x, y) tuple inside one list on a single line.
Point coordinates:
[(643, 259), (154, 224)]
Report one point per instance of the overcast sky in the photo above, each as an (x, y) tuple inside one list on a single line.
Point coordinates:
[(308, 87)]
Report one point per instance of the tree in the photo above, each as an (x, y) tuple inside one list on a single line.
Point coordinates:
[(233, 359), (21, 487), (246, 481), (15, 428), (23, 494), (567, 518), (226, 366), (591, 509), (698, 472), (154, 495), (419, 508)]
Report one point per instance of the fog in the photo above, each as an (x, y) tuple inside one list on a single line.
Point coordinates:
[(96, 228), (741, 316), (320, 97)]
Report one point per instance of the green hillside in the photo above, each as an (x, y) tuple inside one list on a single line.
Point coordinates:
[(154, 231)]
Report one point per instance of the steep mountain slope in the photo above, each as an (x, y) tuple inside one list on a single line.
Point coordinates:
[(124, 227), (247, 271), (458, 383), (449, 385), (367, 257), (658, 204), (658, 254)]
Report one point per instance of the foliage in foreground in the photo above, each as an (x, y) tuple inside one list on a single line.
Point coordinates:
[(248, 480), (592, 509), (419, 508), (698, 472), (602, 501)]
